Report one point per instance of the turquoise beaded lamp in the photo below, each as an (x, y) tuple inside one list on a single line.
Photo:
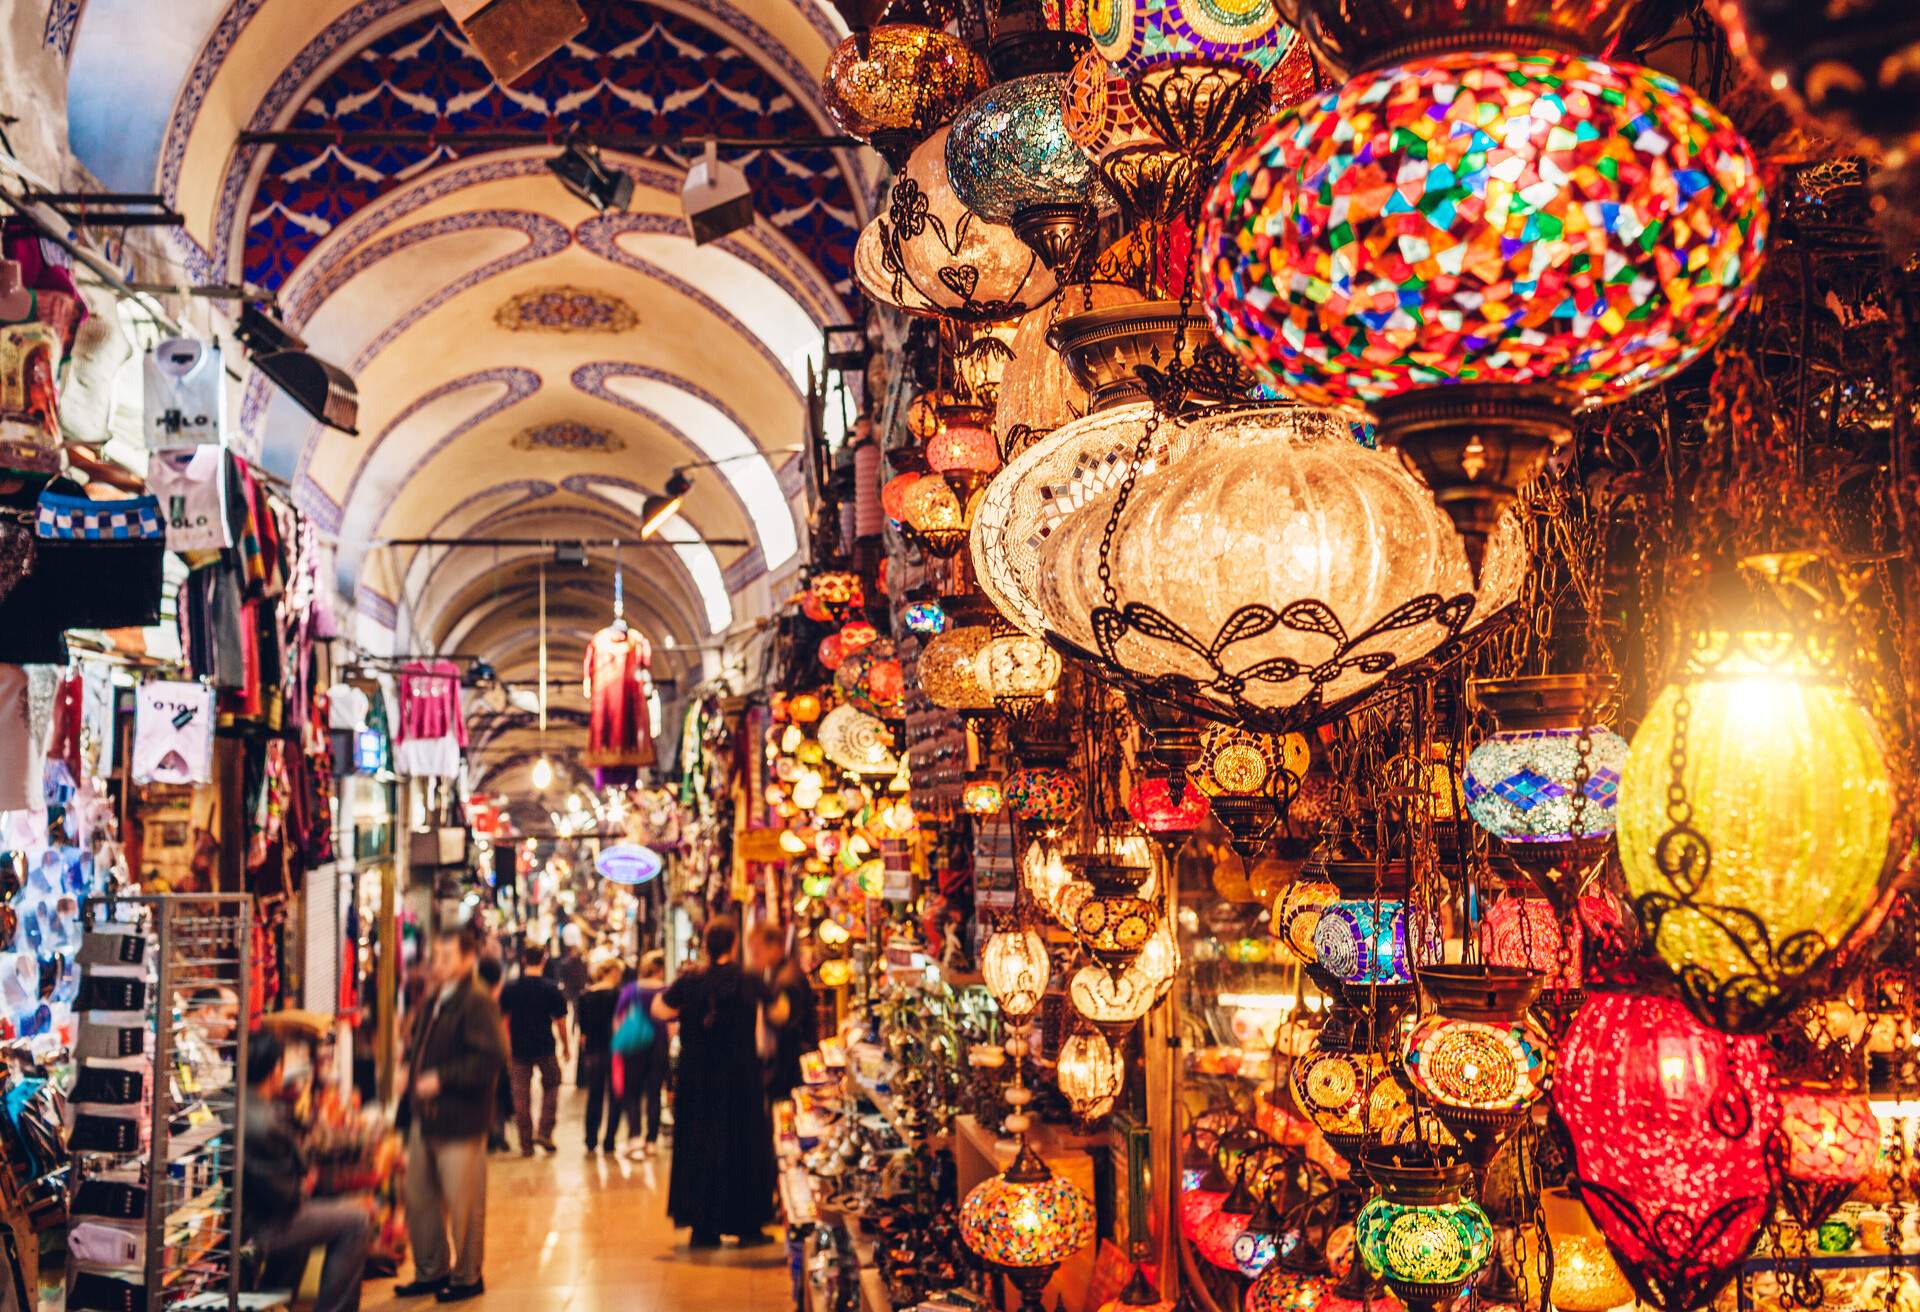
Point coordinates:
[(1011, 160), (1418, 1233)]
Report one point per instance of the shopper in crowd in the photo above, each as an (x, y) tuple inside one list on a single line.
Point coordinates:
[(492, 972), (767, 956), (454, 1062), (536, 1013), (570, 970), (722, 1181), (644, 1073), (279, 1218), (594, 1016)]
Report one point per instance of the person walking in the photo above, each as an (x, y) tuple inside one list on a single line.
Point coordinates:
[(594, 1016), (722, 1179), (453, 1063), (768, 958), (536, 1012), (279, 1218), (644, 1073)]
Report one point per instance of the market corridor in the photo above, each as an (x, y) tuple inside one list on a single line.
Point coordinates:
[(572, 1233)]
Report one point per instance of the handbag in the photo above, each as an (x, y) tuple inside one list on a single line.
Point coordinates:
[(100, 564), (634, 1034)]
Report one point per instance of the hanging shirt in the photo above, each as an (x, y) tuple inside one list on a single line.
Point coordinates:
[(27, 695), (173, 733), (619, 688), (430, 702), (191, 483), (346, 707), (186, 395)]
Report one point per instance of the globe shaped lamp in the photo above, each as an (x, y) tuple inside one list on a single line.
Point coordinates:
[(1152, 805), (1418, 1232), (1197, 70), (1090, 1072), (1527, 933), (1213, 1238), (1478, 1059), (1016, 967), (1257, 1246), (1044, 796), (1585, 1276), (1296, 915), (1279, 1289), (1369, 939), (893, 84), (1025, 1222), (1669, 1119), (1754, 821), (1011, 161), (893, 494), (949, 669), (981, 794), (1342, 1084), (939, 510), (1043, 873), (929, 254), (963, 444), (1017, 669), (1427, 224), (1543, 776), (1830, 1140), (925, 618)]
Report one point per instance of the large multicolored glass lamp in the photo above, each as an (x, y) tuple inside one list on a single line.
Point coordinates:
[(1011, 161), (1116, 923), (1829, 1141), (1754, 821), (982, 794), (1419, 1232), (893, 84), (1170, 823), (962, 442), (939, 509), (1025, 1221), (1369, 940), (949, 666), (1478, 1059), (1044, 796), (1425, 243), (1546, 781), (1671, 1123)]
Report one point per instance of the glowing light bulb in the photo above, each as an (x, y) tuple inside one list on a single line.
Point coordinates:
[(542, 773)]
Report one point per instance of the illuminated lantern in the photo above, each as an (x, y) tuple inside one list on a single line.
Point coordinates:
[(1090, 1073), (1343, 1085), (804, 707), (925, 618), (1138, 36), (857, 636), (1151, 804), (1296, 915), (1214, 1237), (950, 671), (857, 742), (1522, 782), (1025, 1222), (1017, 669), (1244, 774), (816, 886), (1043, 874), (1370, 938), (832, 651), (1585, 1276), (939, 514), (1114, 924), (1428, 242), (1478, 1059), (1670, 1123), (1754, 821), (1281, 1290), (1010, 160), (1525, 932), (893, 494), (1255, 1247), (1829, 1141), (1038, 393), (930, 254), (871, 680), (1044, 795), (1418, 1233), (962, 444), (897, 82), (1112, 1002), (1016, 968), (835, 972), (837, 591), (981, 795)]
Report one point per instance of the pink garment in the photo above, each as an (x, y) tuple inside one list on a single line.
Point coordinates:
[(869, 520), (620, 732), (430, 702)]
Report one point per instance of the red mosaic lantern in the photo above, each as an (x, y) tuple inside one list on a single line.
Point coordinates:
[(1829, 1139), (1671, 1123)]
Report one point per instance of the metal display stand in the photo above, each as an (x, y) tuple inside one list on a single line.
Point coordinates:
[(194, 1161)]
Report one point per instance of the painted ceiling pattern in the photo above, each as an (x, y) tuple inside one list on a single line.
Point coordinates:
[(565, 310), (636, 70), (568, 436)]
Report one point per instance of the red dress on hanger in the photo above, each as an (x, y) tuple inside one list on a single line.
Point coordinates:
[(618, 687)]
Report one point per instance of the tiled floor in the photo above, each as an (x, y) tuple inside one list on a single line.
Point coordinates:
[(573, 1233)]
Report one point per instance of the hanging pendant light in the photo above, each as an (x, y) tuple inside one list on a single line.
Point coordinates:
[(1090, 1073), (1170, 823), (1369, 940), (1544, 773), (1473, 245), (1011, 160), (1025, 1221), (1829, 1141), (1018, 670), (1419, 1233), (1296, 914), (1344, 1085), (1478, 1059), (1044, 796), (1115, 924), (893, 85), (1015, 965)]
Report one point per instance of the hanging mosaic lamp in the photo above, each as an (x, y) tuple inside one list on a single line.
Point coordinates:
[(939, 509), (1343, 1084), (1268, 511), (924, 618), (1670, 1123), (981, 794), (1170, 823), (1214, 1237), (1018, 670), (1256, 1247), (1754, 821), (1090, 1073), (1829, 1141), (1247, 778), (1473, 245), (1198, 70), (893, 84), (1418, 1232), (1044, 796), (1527, 933), (1281, 1290), (1585, 1276), (1369, 940), (1111, 1002), (1543, 776), (1478, 1059), (1043, 874), (1025, 1221), (1015, 965), (962, 443), (1038, 393), (1114, 925), (1296, 915), (893, 494), (929, 254), (949, 665), (1011, 161)]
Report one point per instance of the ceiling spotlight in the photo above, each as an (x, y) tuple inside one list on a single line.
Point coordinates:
[(716, 198), (321, 389), (582, 172), (662, 506)]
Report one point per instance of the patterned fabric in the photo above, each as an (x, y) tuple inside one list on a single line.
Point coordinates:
[(82, 519)]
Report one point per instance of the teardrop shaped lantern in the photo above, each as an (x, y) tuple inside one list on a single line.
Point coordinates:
[(1015, 966), (1670, 1123)]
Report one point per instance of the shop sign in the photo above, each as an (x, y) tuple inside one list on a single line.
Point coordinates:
[(627, 863)]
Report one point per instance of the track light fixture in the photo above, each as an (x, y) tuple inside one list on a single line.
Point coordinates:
[(716, 198), (586, 175), (662, 506), (321, 389)]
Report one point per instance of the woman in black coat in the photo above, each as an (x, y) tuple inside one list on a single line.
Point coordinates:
[(722, 1176)]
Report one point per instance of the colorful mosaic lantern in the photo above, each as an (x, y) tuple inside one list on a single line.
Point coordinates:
[(1343, 1085), (1757, 854), (1829, 1141), (1152, 806), (1418, 1233), (1478, 1059), (1522, 782), (1214, 1237), (1296, 915), (1011, 161), (1670, 1123), (1478, 235), (1044, 795), (1368, 940), (1025, 1222), (939, 510), (895, 83), (803, 707), (1017, 669), (963, 443), (981, 795), (926, 618), (949, 671), (1281, 1290), (1351, 36), (894, 492), (1137, 35), (1526, 933), (1115, 923), (871, 680)]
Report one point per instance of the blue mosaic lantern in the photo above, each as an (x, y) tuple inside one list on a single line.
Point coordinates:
[(1370, 939), (926, 618), (1011, 160), (1523, 783)]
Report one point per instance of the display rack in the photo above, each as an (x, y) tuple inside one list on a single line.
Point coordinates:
[(189, 1171)]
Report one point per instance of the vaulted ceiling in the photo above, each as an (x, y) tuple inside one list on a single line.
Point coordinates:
[(527, 368)]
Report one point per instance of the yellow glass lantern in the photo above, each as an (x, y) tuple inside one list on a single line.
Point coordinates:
[(1754, 818), (1585, 1276), (949, 668), (1016, 968), (1090, 1072), (1297, 914), (835, 972), (982, 795)]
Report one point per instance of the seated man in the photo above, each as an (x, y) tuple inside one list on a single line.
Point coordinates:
[(278, 1216)]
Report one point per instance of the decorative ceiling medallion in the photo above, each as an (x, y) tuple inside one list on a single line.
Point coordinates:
[(566, 310), (567, 436)]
